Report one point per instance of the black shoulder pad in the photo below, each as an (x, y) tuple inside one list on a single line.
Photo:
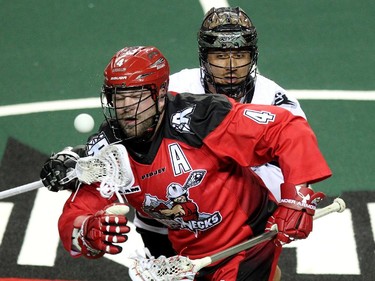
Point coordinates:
[(192, 117)]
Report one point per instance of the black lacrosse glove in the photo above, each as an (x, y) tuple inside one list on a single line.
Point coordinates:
[(57, 167)]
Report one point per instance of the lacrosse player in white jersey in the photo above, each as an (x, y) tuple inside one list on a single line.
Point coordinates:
[(228, 55)]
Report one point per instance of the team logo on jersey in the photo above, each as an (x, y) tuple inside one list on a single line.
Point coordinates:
[(179, 211), (180, 120), (96, 143), (281, 98)]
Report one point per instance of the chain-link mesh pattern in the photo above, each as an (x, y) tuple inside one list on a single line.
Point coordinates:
[(111, 167)]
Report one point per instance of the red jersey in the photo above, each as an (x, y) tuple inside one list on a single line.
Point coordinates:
[(194, 177)]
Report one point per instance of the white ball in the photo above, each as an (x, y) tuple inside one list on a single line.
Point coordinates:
[(84, 123)]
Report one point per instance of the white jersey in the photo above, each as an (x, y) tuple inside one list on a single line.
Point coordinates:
[(266, 92)]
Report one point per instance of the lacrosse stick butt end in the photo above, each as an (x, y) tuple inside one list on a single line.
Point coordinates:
[(118, 209), (341, 204)]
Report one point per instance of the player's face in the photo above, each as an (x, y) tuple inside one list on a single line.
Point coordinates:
[(229, 67), (135, 110)]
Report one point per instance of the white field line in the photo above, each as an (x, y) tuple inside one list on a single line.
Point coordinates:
[(332, 95), (73, 104), (37, 107)]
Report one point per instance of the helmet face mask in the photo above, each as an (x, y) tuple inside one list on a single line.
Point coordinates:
[(134, 79), (228, 30), (227, 71), (136, 117)]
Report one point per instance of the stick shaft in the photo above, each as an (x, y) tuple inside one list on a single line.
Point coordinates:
[(21, 189), (243, 246), (337, 206)]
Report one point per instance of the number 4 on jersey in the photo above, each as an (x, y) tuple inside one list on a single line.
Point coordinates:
[(261, 117)]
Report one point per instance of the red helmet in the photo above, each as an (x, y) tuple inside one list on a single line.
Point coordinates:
[(134, 68), (137, 66)]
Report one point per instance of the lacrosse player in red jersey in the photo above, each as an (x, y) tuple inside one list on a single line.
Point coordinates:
[(228, 55), (190, 155)]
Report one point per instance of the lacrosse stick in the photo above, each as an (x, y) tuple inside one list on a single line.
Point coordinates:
[(338, 206), (110, 167), (183, 268)]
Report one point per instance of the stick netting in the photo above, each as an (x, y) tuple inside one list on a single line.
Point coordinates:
[(163, 269), (111, 167)]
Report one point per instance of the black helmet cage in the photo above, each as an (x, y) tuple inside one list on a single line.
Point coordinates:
[(227, 29), (110, 111)]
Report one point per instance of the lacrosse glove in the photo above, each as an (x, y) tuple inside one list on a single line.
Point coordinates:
[(55, 170), (98, 233), (294, 215)]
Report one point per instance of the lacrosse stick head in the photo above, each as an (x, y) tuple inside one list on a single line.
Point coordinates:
[(111, 167), (165, 269)]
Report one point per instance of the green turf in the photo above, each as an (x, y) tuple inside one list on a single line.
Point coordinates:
[(54, 50)]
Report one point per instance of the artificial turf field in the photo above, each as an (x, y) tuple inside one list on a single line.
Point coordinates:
[(57, 50)]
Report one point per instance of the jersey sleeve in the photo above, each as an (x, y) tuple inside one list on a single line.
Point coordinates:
[(269, 92), (253, 135)]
